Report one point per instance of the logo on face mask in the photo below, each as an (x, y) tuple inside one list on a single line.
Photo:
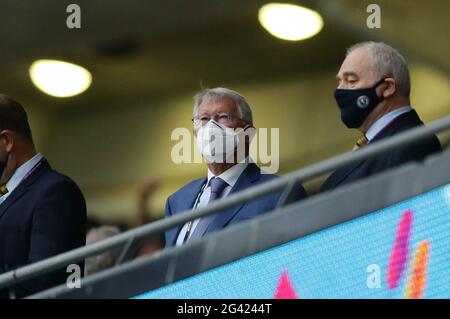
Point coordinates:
[(363, 102), (356, 104), (218, 143)]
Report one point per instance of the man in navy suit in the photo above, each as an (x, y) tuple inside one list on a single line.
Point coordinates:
[(42, 212), (373, 97), (221, 115)]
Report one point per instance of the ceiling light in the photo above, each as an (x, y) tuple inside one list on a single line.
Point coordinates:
[(59, 78), (290, 22)]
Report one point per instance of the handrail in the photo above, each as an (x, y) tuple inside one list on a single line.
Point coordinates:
[(312, 215), (159, 226)]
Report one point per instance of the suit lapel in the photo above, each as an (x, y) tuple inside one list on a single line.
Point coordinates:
[(184, 205), (23, 187), (15, 195), (191, 195), (250, 175)]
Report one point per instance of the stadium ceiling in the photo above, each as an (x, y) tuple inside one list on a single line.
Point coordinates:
[(154, 49)]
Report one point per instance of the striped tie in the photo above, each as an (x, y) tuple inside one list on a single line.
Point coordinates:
[(217, 186)]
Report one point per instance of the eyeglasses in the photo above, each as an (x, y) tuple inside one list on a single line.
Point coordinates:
[(221, 117)]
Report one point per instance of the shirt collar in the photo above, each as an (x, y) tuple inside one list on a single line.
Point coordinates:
[(22, 171), (383, 121), (232, 174)]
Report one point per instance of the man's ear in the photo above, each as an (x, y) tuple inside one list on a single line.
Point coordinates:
[(390, 87), (7, 138)]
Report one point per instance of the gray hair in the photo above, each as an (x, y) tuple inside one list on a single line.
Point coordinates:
[(105, 260), (387, 61), (211, 94)]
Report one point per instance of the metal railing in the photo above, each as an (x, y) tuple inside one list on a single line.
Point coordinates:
[(284, 182), (284, 225)]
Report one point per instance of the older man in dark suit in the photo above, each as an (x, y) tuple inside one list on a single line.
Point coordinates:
[(221, 114), (42, 212), (373, 97)]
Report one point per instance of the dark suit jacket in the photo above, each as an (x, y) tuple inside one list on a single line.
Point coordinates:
[(185, 197), (412, 152), (44, 216)]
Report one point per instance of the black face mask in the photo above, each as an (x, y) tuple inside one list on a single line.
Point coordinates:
[(356, 105)]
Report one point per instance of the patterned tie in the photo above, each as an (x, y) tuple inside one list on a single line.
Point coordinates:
[(362, 141), (217, 186)]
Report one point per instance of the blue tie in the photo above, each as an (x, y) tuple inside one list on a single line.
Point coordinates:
[(217, 186)]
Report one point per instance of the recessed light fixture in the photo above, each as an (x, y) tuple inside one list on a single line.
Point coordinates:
[(59, 78), (290, 22)]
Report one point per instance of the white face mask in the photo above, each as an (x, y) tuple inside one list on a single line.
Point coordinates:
[(218, 143)]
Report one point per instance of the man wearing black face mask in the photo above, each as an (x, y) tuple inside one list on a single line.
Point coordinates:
[(42, 212), (373, 97)]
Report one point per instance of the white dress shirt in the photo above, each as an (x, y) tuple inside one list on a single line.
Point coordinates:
[(20, 174), (230, 176), (383, 121)]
